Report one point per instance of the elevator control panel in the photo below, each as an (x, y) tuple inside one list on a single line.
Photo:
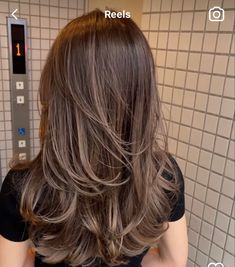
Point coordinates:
[(17, 43)]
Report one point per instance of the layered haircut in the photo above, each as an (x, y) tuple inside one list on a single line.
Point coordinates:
[(96, 191)]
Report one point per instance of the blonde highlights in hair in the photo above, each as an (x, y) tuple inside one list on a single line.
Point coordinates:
[(96, 190)]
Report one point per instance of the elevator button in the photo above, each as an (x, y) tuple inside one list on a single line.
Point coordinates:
[(19, 85), (20, 99), (22, 156), (21, 131), (22, 143)]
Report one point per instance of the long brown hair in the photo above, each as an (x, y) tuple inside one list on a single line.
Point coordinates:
[(96, 190)]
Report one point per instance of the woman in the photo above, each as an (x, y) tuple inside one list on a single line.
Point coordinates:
[(102, 191)]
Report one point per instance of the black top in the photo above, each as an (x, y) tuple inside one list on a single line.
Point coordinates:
[(12, 226)]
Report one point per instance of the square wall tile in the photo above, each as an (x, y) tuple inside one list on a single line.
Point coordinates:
[(228, 187), (191, 80), (207, 63), (169, 76), (231, 66), (194, 61), (189, 187), (177, 96), (173, 40), (217, 85), (224, 42), (187, 116), (144, 22), (196, 137), (197, 207), (224, 127), (211, 123), (201, 101), (228, 22), (214, 104), (204, 245), (212, 198), (184, 41), (205, 159), (220, 64), (187, 19), (199, 20), (216, 253), (167, 94), (225, 205), (221, 145), (184, 133), (227, 108), (156, 6), (229, 169), (164, 21), (198, 119), (166, 5), (222, 221), (201, 259), (189, 99), (182, 59), (195, 223), (193, 154), (153, 39), (177, 4), (193, 237), (191, 170), (175, 113), (154, 22), (209, 214), (218, 164), (196, 41), (182, 150), (179, 78), (171, 59), (215, 181), (219, 237), (209, 42), (208, 141), (200, 192), (231, 227), (207, 230), (162, 40), (231, 149), (192, 253), (175, 21), (230, 244)]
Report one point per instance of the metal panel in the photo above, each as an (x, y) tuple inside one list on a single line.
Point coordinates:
[(19, 98)]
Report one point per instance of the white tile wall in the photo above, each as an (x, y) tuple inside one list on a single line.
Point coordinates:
[(195, 68)]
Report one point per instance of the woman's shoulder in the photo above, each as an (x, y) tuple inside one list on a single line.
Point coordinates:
[(12, 225), (169, 171), (13, 180), (178, 200)]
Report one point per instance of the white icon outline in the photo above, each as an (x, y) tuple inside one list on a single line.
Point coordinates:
[(213, 10), (22, 143), (20, 99), (215, 264), (13, 13), (19, 85), (22, 156)]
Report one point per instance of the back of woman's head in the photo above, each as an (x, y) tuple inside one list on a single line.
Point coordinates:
[(95, 191)]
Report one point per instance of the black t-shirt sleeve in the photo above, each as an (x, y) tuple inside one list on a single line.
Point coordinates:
[(12, 225), (178, 209)]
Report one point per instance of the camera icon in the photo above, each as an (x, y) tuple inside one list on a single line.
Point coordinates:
[(216, 13)]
